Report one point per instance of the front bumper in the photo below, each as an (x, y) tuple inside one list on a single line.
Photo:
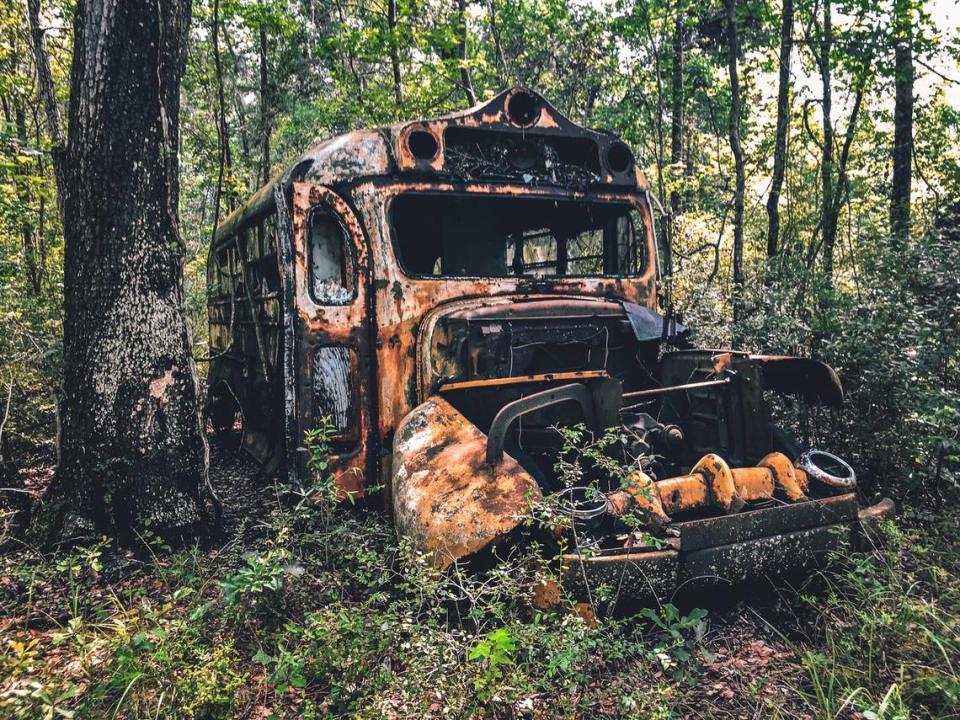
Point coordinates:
[(729, 550)]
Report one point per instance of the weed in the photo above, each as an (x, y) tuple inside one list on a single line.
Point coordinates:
[(495, 654)]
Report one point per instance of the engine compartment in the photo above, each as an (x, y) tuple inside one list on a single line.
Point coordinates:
[(582, 395)]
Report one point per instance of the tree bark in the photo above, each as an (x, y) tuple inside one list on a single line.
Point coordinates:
[(133, 454), (828, 219), (733, 52), (676, 110), (783, 122), (265, 128), (395, 55), (902, 122), (465, 78)]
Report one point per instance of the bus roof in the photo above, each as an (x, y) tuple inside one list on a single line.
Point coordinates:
[(515, 137)]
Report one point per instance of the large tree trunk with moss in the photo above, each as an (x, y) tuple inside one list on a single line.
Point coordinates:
[(133, 453)]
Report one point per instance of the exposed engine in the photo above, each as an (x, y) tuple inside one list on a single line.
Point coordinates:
[(691, 430)]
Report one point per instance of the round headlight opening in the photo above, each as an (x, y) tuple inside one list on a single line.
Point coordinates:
[(423, 145), (523, 108), (619, 158)]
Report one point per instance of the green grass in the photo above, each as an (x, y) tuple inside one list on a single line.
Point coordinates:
[(336, 619)]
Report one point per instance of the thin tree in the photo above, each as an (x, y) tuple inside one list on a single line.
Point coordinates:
[(462, 51), (394, 41), (828, 219), (676, 110), (225, 161), (48, 92), (265, 128), (902, 121), (501, 60), (783, 123), (733, 52), (133, 453)]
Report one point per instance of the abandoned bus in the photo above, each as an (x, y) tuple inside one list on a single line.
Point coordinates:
[(446, 294)]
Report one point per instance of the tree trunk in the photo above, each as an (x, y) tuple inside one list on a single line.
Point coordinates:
[(829, 219), (902, 122), (264, 108), (502, 69), (47, 89), (676, 111), (395, 55), (133, 454), (465, 78), (733, 52), (783, 122)]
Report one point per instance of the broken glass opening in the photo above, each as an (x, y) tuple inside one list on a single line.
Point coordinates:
[(483, 236), (331, 272)]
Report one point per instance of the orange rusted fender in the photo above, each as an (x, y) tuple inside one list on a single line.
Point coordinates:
[(445, 495)]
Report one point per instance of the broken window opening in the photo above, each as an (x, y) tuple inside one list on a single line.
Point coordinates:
[(331, 264), (445, 235)]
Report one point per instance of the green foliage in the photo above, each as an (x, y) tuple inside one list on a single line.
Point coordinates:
[(260, 578), (495, 653), (682, 637), (323, 492), (889, 646)]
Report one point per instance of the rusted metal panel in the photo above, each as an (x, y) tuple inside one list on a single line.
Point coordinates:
[(753, 524), (445, 495), (335, 374), (639, 575), (446, 144), (768, 556), (285, 242), (807, 377)]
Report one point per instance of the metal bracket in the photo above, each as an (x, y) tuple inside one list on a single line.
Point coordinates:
[(576, 392)]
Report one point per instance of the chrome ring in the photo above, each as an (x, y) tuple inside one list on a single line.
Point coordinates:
[(807, 463)]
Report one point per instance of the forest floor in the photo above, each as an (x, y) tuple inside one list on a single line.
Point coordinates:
[(305, 611)]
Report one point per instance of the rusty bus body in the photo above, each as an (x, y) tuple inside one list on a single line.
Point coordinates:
[(447, 292)]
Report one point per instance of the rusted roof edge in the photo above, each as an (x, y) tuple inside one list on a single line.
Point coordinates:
[(365, 153)]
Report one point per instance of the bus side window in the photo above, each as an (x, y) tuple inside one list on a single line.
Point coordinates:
[(331, 263), (335, 391)]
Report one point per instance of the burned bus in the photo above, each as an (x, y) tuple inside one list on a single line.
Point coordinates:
[(445, 294)]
